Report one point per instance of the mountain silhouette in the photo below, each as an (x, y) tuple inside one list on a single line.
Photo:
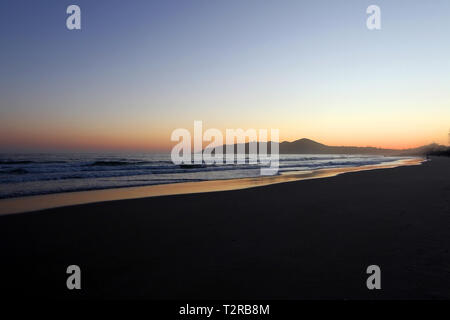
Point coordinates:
[(308, 146)]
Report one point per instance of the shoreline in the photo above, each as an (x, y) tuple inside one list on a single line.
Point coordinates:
[(26, 204), (310, 239)]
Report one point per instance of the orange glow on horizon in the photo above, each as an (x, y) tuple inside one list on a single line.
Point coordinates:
[(153, 135), (161, 142)]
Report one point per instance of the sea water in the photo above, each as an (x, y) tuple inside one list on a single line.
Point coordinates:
[(32, 174)]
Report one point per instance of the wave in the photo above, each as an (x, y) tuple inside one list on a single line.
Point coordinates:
[(15, 171), (115, 163), (56, 173), (74, 188), (16, 162), (6, 162)]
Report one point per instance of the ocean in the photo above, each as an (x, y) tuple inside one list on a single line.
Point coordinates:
[(33, 174)]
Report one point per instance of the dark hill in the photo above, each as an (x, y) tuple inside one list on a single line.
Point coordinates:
[(308, 146)]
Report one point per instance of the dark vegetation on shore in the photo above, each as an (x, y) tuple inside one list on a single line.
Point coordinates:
[(441, 153)]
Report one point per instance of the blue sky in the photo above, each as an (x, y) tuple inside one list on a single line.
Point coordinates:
[(139, 69)]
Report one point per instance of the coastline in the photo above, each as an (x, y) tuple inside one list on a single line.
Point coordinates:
[(298, 240), (56, 200)]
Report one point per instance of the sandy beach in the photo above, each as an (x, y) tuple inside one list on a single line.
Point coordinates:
[(310, 239)]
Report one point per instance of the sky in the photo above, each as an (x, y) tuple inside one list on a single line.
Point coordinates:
[(137, 70)]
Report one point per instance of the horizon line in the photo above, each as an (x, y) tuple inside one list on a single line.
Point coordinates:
[(166, 150)]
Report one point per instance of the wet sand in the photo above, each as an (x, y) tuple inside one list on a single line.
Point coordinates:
[(310, 239)]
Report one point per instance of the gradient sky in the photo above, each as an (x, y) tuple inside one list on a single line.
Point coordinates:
[(139, 69)]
